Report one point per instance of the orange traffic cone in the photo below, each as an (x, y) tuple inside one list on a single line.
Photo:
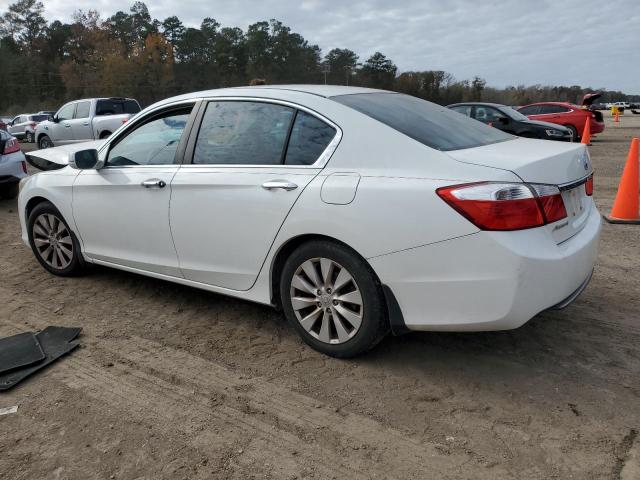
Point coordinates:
[(616, 119), (586, 133), (625, 207)]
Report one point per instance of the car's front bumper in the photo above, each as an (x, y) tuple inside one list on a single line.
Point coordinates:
[(489, 280)]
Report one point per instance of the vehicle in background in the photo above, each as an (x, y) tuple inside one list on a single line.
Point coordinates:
[(620, 105), (3, 123), (49, 113), (511, 121), (84, 120), (357, 211), (13, 166), (24, 126), (566, 114)]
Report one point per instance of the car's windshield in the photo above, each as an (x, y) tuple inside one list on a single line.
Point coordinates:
[(514, 114), (430, 124)]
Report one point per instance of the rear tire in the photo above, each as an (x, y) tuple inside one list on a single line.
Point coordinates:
[(9, 192), (44, 142), (338, 305), (29, 137), (105, 134), (53, 243)]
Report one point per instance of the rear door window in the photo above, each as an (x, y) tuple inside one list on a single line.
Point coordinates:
[(430, 124), (310, 136), (116, 107), (530, 110), (243, 133), (82, 110)]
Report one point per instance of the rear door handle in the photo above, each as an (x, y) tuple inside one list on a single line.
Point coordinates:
[(67, 125), (154, 183), (279, 184), (86, 124)]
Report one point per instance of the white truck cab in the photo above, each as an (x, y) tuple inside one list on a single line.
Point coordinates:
[(85, 120)]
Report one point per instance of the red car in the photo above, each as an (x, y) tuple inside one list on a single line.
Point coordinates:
[(567, 114)]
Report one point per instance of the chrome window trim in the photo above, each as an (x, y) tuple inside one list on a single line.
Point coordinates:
[(321, 162)]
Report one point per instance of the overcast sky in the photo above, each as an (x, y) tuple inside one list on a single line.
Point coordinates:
[(508, 42)]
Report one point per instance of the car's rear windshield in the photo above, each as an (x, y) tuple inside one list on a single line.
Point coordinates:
[(39, 118), (117, 107), (428, 123)]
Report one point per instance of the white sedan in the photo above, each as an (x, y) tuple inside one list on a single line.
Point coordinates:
[(356, 211)]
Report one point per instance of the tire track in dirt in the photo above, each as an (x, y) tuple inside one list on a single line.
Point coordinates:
[(174, 384)]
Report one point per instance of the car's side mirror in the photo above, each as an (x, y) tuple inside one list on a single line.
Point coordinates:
[(55, 119), (85, 159)]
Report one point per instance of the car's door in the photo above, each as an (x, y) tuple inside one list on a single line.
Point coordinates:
[(59, 131), (248, 164), (80, 125), (16, 127), (122, 209)]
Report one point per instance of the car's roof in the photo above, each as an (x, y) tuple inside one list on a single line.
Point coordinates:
[(564, 104), (318, 90), (483, 104)]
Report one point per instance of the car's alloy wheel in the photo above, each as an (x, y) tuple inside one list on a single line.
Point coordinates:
[(45, 142), (29, 137), (333, 299), (326, 300), (53, 241)]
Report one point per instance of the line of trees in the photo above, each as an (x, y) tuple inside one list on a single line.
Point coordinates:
[(43, 64)]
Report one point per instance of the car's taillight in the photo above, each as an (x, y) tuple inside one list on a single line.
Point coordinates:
[(588, 186), (11, 146), (24, 166), (33, 125), (505, 206)]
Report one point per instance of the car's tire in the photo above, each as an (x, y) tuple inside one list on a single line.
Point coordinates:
[(105, 134), (29, 137), (44, 142), (326, 313), (574, 132), (9, 192), (53, 243)]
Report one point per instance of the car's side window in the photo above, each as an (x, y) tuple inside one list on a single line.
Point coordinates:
[(310, 136), (82, 110), (488, 114), (66, 112), (464, 109), (243, 133), (531, 110), (152, 143)]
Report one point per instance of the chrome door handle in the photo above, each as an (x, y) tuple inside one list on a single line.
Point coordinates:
[(86, 124), (282, 184), (67, 125), (153, 183)]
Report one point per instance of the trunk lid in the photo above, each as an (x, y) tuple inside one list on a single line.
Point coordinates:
[(58, 157), (566, 165), (589, 98)]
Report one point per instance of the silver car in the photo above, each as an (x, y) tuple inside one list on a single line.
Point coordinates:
[(13, 166), (24, 126)]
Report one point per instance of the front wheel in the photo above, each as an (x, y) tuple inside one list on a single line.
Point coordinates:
[(574, 132), (333, 299), (53, 242), (44, 142)]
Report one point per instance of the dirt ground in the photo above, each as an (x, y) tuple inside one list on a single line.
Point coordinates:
[(177, 383)]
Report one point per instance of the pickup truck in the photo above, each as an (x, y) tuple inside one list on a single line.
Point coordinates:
[(85, 120)]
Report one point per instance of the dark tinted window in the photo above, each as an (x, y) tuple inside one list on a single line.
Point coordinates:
[(530, 110), (553, 109), (428, 123), (82, 110), (243, 133), (117, 107), (310, 136), (39, 118), (154, 143)]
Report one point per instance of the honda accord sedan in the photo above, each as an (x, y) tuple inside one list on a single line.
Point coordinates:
[(358, 212)]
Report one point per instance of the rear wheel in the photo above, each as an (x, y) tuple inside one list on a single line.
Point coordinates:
[(52, 241), (105, 134), (574, 132), (29, 137), (44, 142), (332, 299)]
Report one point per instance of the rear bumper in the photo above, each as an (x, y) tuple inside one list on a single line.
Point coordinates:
[(597, 127), (11, 168), (489, 280)]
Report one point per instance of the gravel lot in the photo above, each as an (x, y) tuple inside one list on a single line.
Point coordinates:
[(174, 383)]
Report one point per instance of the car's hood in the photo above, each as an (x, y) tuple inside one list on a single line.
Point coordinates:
[(540, 124), (536, 161), (58, 157)]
